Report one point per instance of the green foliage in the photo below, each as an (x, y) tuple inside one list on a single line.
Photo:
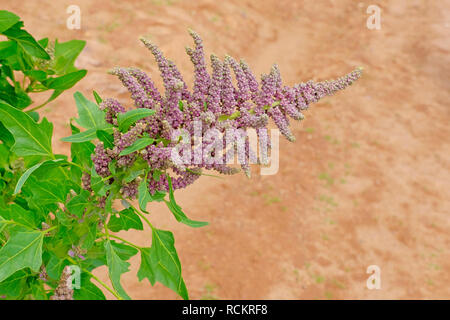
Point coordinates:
[(90, 116), (125, 120), (31, 138), (55, 210), (178, 213), (7, 20), (137, 145), (44, 65), (116, 267), (160, 263), (144, 195), (23, 249), (125, 220)]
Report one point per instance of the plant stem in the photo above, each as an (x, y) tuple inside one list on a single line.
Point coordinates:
[(39, 106), (106, 228), (99, 281), (123, 240), (142, 216), (105, 286), (49, 229), (107, 178)]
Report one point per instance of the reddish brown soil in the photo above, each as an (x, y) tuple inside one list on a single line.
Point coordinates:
[(367, 181)]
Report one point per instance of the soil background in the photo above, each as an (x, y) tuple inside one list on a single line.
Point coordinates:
[(366, 183)]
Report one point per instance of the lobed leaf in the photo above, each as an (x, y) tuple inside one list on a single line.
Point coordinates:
[(66, 54), (30, 137), (78, 204), (161, 263), (88, 290), (13, 286), (116, 267), (23, 249), (125, 220)]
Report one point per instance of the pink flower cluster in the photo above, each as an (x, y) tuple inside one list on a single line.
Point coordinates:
[(214, 100)]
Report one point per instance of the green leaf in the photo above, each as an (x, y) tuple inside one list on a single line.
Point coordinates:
[(22, 98), (96, 181), (137, 145), (157, 175), (91, 236), (90, 116), (125, 220), (47, 191), (55, 266), (7, 20), (81, 152), (84, 136), (233, 116), (161, 263), (158, 196), (37, 290), (23, 249), (5, 136), (33, 115), (26, 42), (116, 268), (143, 194), (27, 173), (97, 97), (78, 204), (66, 54), (106, 138), (30, 137), (66, 81), (125, 120), (147, 265), (4, 158), (38, 75), (24, 178), (177, 212), (8, 51), (124, 251), (43, 42), (88, 290), (13, 286), (18, 214), (131, 175)]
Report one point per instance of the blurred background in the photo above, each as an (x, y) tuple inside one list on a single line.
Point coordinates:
[(366, 183)]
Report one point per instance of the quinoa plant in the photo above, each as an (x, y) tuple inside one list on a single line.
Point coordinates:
[(59, 214)]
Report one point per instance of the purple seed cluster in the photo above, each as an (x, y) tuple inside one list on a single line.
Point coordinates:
[(214, 100)]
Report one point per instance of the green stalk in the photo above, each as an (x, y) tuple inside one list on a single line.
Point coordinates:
[(98, 280), (142, 216), (122, 239)]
